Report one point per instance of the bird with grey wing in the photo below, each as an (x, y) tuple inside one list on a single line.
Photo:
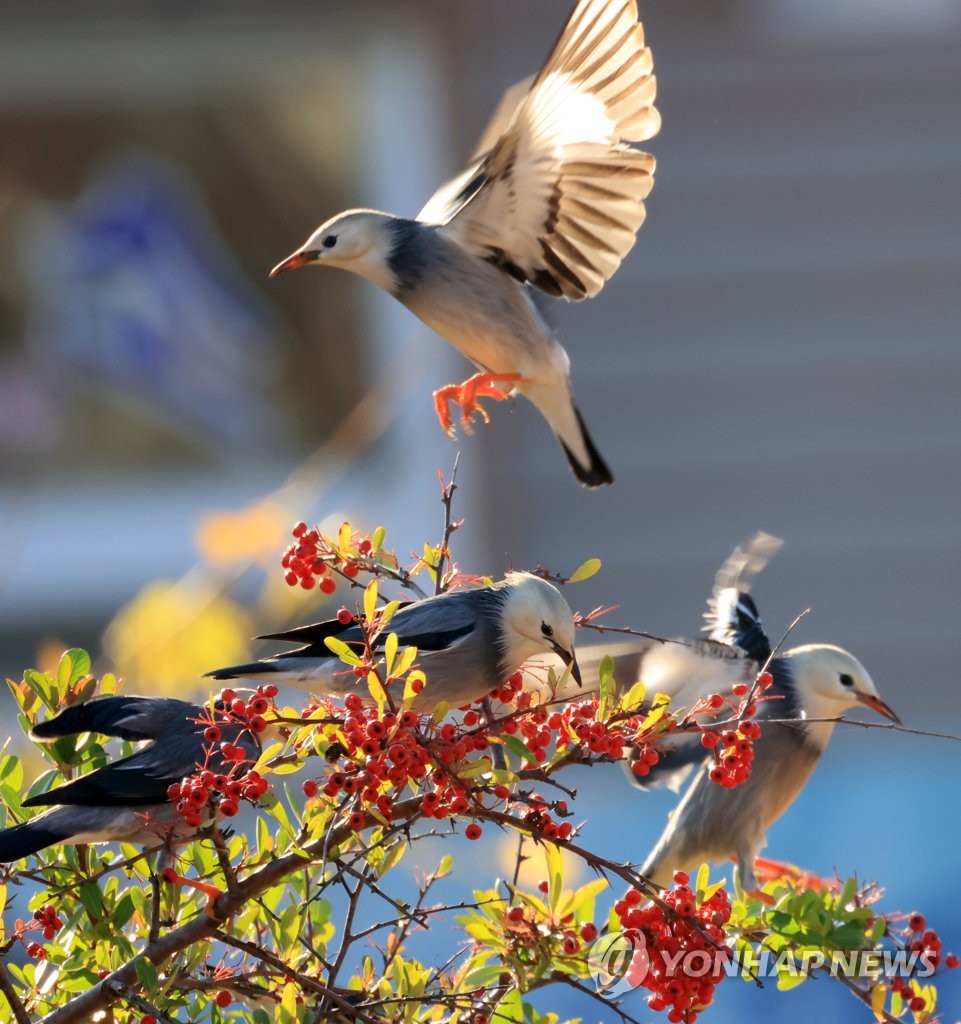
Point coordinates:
[(811, 682), (468, 642), (126, 800), (550, 204)]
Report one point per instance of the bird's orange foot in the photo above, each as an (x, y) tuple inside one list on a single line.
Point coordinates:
[(481, 385), (768, 870), (170, 876)]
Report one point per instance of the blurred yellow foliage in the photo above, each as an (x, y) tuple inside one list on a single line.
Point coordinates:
[(255, 534), (171, 633), (533, 866)]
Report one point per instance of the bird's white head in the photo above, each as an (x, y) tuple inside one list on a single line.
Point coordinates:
[(536, 619), (358, 240), (829, 680)]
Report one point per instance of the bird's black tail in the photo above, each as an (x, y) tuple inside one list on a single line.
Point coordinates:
[(28, 838), (596, 473), (253, 668)]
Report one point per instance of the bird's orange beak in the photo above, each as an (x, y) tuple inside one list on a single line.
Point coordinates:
[(293, 261), (878, 705)]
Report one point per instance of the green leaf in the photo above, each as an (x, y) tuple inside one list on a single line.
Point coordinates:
[(92, 899), (634, 697), (555, 874), (146, 974), (79, 665), (585, 571), (519, 748), (345, 653), (122, 912)]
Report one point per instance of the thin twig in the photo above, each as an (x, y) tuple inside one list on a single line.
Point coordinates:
[(447, 496), (6, 987)]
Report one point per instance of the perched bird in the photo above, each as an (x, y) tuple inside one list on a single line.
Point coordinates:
[(126, 800), (468, 642), (813, 681), (552, 200)]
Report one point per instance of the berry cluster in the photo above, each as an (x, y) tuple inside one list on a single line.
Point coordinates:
[(687, 934), (47, 920), (733, 753), (382, 754), (311, 560), (926, 943), (528, 927), (223, 774)]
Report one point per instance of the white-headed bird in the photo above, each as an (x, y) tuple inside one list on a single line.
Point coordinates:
[(551, 201), (126, 800), (810, 682), (468, 642)]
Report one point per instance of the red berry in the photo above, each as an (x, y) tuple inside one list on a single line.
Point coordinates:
[(515, 914), (345, 617), (290, 578), (148, 1018), (357, 820), (224, 998), (309, 788), (952, 962), (589, 932), (681, 877), (739, 689), (228, 695), (473, 831), (328, 585), (917, 923), (269, 691), (543, 885), (228, 808), (765, 679)]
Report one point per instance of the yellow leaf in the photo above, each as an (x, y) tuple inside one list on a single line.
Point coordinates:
[(585, 571), (878, 994), (405, 661), (416, 676), (370, 600), (343, 538), (390, 650), (634, 697)]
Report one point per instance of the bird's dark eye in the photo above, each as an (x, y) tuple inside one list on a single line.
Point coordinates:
[(846, 680), (547, 630), (329, 241)]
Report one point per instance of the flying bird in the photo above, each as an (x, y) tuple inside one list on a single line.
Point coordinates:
[(550, 203), (125, 801), (468, 642), (811, 682)]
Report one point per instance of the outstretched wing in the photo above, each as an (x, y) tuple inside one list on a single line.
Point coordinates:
[(557, 198), (732, 616)]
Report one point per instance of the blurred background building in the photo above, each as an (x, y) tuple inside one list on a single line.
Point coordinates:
[(780, 351)]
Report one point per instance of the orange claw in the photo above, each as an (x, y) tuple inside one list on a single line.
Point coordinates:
[(481, 385)]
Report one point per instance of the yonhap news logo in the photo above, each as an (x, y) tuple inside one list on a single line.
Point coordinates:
[(618, 963)]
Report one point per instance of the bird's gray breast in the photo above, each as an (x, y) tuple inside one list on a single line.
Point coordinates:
[(476, 307)]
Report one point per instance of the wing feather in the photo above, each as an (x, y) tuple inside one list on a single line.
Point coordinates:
[(556, 198)]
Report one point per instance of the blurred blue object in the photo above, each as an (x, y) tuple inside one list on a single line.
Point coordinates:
[(135, 292)]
